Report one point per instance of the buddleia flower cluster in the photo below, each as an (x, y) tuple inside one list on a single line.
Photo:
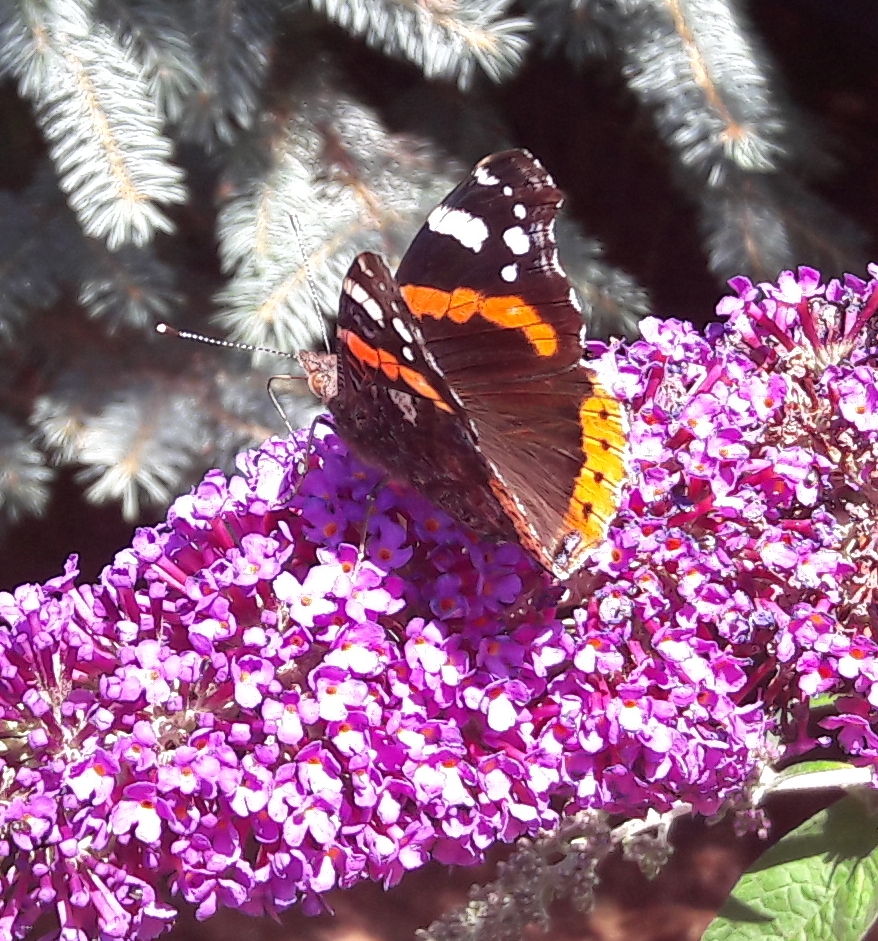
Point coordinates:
[(307, 677)]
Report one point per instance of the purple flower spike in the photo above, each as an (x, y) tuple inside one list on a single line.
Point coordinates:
[(294, 685)]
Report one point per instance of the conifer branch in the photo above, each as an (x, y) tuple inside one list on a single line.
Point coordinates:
[(156, 33), (231, 41), (129, 288), (25, 284), (41, 248), (351, 188), (444, 42), (59, 420), (579, 30), (139, 443), (104, 137), (137, 449), (695, 63), (24, 476), (31, 40), (763, 224), (101, 124)]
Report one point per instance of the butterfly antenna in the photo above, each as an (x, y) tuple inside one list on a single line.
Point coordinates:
[(170, 331), (309, 278)]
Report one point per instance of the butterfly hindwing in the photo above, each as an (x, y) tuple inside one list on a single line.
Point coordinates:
[(484, 280)]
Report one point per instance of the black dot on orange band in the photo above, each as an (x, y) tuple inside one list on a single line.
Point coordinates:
[(605, 444), (604, 414), (587, 510), (599, 477)]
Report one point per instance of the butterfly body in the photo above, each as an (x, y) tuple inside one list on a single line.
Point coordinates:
[(465, 375)]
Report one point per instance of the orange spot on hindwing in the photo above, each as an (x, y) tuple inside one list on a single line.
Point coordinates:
[(595, 493), (597, 489), (461, 305)]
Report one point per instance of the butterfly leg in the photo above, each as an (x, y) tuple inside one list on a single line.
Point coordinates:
[(303, 460), (275, 401), (371, 498)]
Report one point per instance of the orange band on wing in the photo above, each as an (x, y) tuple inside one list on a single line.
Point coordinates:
[(462, 304), (595, 498), (392, 368)]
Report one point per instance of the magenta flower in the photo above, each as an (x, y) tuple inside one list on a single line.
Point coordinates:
[(140, 809), (256, 704), (307, 600)]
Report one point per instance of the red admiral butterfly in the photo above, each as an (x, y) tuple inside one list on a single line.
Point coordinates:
[(464, 375)]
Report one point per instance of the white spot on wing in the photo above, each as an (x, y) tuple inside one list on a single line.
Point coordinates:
[(367, 271), (519, 211), (358, 293), (469, 230), (509, 273), (570, 544), (516, 240), (402, 330), (408, 354), (507, 190), (405, 403), (373, 309), (485, 177)]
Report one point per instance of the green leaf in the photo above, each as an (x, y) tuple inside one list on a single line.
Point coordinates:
[(823, 701), (819, 883), (813, 767), (821, 775)]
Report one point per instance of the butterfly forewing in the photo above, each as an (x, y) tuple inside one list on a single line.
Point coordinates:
[(396, 410), (484, 279)]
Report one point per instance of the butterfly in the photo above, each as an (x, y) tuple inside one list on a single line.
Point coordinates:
[(465, 375)]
